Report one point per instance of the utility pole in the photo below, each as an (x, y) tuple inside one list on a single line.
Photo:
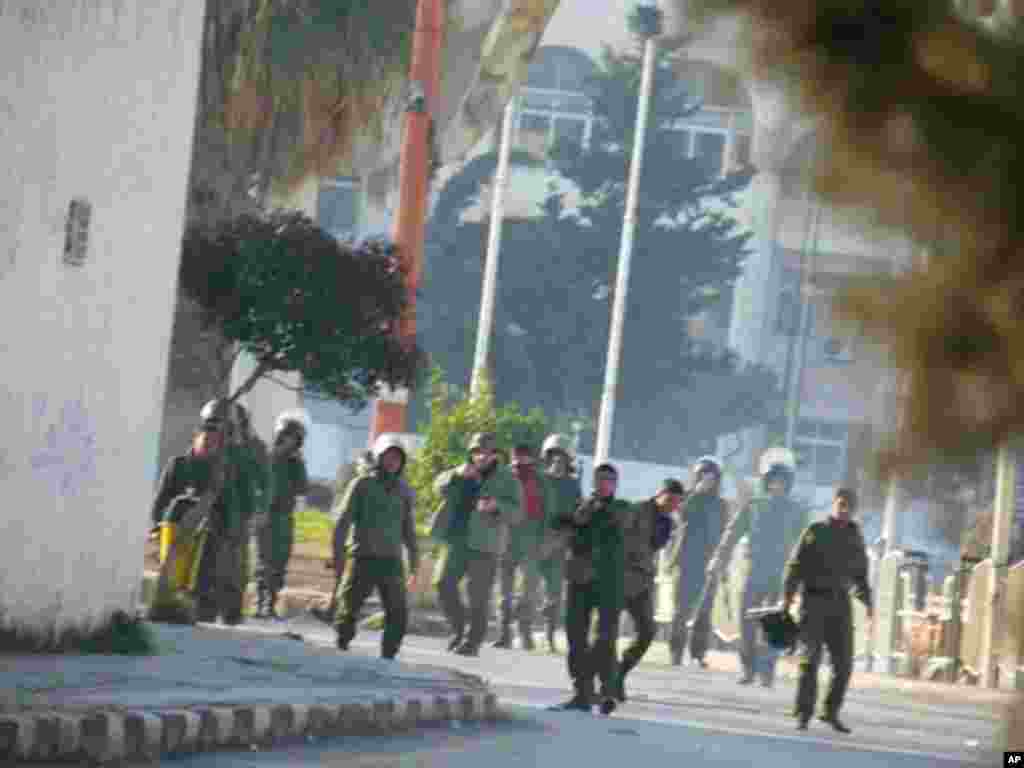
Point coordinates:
[(795, 383), (1003, 512), (485, 325), (650, 27), (797, 357), (389, 413)]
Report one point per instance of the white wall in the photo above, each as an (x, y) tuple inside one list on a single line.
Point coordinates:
[(98, 101)]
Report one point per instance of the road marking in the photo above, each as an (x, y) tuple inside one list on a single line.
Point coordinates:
[(737, 731)]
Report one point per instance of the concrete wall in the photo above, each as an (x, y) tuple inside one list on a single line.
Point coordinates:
[(98, 102)]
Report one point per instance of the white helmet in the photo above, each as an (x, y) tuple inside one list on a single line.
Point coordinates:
[(708, 461), (556, 442), (386, 442), (294, 419), (777, 456)]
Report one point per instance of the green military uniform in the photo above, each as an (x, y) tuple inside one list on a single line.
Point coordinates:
[(257, 457), (289, 480), (525, 541), (704, 516), (474, 543), (641, 542), (772, 526), (829, 558), (562, 496), (596, 577), (218, 588), (375, 508)]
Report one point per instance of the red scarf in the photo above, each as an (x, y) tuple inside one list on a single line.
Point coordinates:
[(531, 492)]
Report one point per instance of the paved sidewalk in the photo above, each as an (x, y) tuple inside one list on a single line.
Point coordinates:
[(212, 687)]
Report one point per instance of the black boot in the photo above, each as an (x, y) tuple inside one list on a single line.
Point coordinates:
[(455, 642), (262, 601), (619, 688), (676, 646), (505, 641), (468, 649), (835, 722), (272, 606)]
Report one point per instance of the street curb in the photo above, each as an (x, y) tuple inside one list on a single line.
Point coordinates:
[(138, 736)]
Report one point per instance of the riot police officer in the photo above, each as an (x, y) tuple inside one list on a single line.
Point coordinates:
[(564, 495), (289, 480), (704, 516), (772, 524), (207, 476)]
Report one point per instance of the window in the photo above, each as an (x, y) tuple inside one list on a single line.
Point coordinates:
[(679, 139), (820, 447), (76, 232), (338, 207), (534, 134)]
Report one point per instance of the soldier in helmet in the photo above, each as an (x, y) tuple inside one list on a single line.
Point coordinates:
[(209, 469), (524, 543), (289, 480), (772, 524), (378, 513), (255, 471), (480, 499), (703, 518), (564, 494)]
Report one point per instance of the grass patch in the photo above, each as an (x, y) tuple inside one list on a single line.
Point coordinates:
[(313, 526), (121, 635)]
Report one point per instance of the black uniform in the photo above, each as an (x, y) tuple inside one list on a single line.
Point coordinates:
[(829, 559)]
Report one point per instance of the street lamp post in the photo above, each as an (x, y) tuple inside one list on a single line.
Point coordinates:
[(485, 324), (650, 14)]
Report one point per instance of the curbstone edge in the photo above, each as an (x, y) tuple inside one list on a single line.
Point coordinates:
[(105, 737), (143, 734)]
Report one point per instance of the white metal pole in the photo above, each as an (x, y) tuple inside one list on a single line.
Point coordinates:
[(490, 283), (611, 371), (1005, 504)]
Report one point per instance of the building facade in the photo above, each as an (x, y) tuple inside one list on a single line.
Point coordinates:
[(99, 104)]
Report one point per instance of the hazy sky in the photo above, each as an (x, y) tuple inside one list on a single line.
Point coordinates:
[(588, 24)]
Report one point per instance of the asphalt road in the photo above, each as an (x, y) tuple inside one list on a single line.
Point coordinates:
[(675, 716)]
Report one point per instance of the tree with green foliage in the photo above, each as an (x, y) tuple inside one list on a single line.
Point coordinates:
[(453, 419), (557, 277), (296, 300)]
